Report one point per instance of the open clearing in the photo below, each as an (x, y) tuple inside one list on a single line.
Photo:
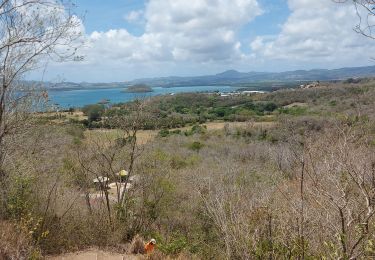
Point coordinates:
[(144, 136)]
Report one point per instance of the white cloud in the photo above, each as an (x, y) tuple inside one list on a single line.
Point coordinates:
[(319, 32), (178, 30), (134, 16), (180, 37), (201, 37)]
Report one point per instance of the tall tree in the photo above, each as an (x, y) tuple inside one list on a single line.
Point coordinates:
[(31, 32), (365, 10)]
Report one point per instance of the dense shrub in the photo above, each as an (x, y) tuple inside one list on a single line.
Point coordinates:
[(93, 112)]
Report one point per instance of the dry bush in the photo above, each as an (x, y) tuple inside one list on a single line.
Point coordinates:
[(233, 176), (341, 186), (15, 244), (137, 245), (156, 255), (248, 204), (326, 209), (185, 256)]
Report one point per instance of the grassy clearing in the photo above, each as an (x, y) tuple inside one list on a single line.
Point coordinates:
[(145, 136)]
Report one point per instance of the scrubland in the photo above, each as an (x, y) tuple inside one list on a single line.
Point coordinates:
[(294, 179)]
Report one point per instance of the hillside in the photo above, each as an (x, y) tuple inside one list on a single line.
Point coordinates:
[(265, 80), (139, 88), (191, 161), (232, 77)]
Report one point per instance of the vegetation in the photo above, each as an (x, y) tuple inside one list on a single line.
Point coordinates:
[(185, 110), (293, 181), (139, 88), (288, 175), (93, 112)]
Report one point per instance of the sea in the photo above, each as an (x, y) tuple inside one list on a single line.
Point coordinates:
[(65, 99)]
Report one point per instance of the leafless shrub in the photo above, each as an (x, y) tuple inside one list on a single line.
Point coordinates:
[(156, 255), (30, 32), (15, 243), (365, 12), (137, 245)]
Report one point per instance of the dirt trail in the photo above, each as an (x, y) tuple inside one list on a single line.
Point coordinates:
[(93, 254)]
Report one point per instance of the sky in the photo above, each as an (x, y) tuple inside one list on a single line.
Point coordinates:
[(129, 39)]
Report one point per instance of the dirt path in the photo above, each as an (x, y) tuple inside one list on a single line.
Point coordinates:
[(94, 254), (220, 125)]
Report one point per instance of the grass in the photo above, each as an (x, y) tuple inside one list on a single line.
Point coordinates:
[(294, 111), (146, 136)]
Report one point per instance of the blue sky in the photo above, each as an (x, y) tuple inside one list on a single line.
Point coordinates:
[(135, 39), (105, 15)]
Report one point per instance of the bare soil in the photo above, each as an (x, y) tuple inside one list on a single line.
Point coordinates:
[(94, 254)]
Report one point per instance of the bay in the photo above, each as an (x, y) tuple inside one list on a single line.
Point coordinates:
[(78, 98)]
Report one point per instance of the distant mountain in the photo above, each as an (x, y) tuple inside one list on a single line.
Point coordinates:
[(230, 77), (233, 77), (76, 86)]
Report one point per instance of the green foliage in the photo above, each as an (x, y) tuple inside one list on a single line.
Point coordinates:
[(93, 112), (164, 133), (160, 155), (187, 109), (16, 242), (20, 196), (175, 246), (196, 129), (333, 103), (175, 132), (77, 132), (178, 162), (246, 110), (138, 88), (294, 111), (221, 111), (196, 146)]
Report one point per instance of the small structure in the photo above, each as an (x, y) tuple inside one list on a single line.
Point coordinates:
[(311, 85), (251, 92), (123, 174)]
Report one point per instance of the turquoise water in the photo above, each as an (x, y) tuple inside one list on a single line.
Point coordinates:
[(78, 98)]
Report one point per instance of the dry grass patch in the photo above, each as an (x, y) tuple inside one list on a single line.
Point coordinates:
[(138, 245), (16, 244)]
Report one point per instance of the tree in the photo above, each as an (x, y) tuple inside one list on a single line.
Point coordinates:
[(366, 13), (31, 33), (106, 155), (93, 112)]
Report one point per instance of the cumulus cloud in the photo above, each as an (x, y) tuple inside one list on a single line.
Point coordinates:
[(178, 30), (202, 36), (318, 31)]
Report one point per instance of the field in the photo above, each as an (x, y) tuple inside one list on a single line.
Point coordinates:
[(145, 136)]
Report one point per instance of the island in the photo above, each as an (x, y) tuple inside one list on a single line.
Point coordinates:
[(139, 88)]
